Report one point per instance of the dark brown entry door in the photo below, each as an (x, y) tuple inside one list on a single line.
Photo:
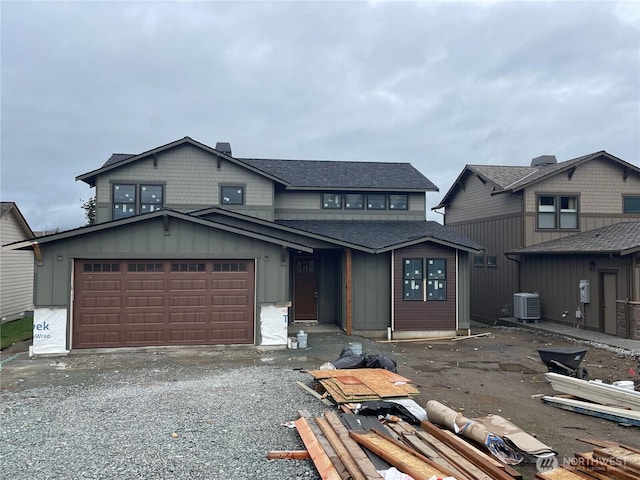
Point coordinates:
[(305, 293), (608, 303)]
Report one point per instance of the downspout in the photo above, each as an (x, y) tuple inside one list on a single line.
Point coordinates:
[(393, 305), (518, 262)]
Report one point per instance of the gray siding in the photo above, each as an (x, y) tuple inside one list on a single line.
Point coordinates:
[(371, 288), (556, 277), (16, 271), (492, 288), (329, 287), (464, 289), (308, 206), (475, 201), (600, 187), (148, 240), (191, 180)]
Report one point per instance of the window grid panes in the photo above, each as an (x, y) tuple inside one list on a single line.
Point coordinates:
[(398, 202), (150, 198), (229, 267), (124, 201), (376, 201), (558, 212), (354, 201), (436, 279), (232, 195), (413, 279), (631, 204), (331, 200)]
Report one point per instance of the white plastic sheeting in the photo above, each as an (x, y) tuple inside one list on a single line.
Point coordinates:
[(49, 331), (273, 324)]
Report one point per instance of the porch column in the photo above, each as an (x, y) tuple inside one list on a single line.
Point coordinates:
[(349, 319)]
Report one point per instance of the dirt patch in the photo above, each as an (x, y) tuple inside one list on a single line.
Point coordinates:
[(502, 374)]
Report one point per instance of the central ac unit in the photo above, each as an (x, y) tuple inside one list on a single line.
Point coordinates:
[(526, 306)]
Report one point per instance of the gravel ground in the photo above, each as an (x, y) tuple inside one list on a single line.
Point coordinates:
[(218, 424)]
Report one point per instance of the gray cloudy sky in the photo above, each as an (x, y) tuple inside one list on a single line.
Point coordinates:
[(436, 84)]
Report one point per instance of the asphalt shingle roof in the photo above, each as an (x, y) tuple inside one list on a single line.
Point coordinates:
[(344, 175), (381, 234), (620, 238)]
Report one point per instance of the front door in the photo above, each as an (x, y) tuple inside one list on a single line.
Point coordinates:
[(608, 303), (305, 295)]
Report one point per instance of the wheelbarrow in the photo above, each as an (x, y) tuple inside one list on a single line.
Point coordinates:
[(565, 361)]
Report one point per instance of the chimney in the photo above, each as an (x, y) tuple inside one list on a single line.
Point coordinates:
[(224, 147), (543, 161)]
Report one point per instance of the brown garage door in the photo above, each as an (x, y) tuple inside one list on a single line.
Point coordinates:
[(123, 303)]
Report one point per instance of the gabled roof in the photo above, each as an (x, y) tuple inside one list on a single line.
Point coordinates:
[(515, 178), (165, 213), (380, 236), (10, 208), (619, 239), (298, 174), (118, 160), (337, 175)]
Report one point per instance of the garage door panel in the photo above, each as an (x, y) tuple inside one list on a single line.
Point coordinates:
[(146, 318), (95, 285), (101, 302), (139, 301), (187, 317), (147, 302), (178, 285), (145, 285), (107, 319)]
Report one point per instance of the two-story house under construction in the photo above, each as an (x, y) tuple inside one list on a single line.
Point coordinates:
[(567, 233), (190, 244)]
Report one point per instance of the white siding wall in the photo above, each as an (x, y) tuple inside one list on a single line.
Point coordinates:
[(16, 271), (193, 181)]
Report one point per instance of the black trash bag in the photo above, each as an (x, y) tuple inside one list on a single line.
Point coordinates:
[(380, 407), (380, 361), (348, 359)]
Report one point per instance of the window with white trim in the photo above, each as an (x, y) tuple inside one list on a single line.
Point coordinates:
[(557, 212)]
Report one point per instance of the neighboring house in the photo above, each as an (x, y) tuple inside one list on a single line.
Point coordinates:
[(568, 231), (191, 243), (16, 267)]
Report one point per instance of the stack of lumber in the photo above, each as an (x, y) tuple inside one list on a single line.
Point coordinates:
[(608, 460), (359, 447), (595, 398), (363, 384)]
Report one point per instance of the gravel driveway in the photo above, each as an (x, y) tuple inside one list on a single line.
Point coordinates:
[(214, 424)]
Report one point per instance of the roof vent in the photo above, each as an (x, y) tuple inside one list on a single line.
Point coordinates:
[(544, 160), (224, 147)]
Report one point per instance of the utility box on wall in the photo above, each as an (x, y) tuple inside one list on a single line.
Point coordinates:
[(585, 291)]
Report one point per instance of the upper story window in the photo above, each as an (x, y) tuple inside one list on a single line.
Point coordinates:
[(354, 201), (631, 204), (398, 202), (376, 201), (130, 199), (331, 200), (558, 212), (232, 195)]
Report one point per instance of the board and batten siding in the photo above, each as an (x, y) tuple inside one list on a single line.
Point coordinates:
[(556, 277), (492, 287), (308, 206), (600, 187), (475, 201), (191, 179), (147, 240), (418, 315), (16, 271), (371, 287)]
